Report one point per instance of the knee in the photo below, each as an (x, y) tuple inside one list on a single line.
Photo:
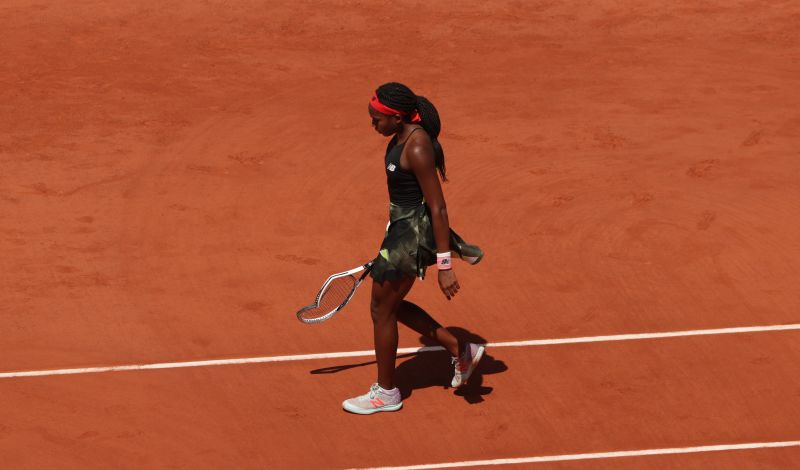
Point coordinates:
[(375, 309), (379, 311)]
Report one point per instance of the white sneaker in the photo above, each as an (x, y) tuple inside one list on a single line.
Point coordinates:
[(377, 399), (466, 363)]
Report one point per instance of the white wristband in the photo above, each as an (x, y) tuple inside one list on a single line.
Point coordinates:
[(443, 261)]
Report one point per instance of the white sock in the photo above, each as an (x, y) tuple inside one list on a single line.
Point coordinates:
[(393, 391)]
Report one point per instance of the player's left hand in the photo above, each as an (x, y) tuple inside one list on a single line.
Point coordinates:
[(448, 283)]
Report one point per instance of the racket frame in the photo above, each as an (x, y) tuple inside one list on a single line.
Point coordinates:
[(366, 268)]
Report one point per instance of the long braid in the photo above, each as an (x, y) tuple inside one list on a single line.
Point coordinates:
[(400, 97), (430, 122)]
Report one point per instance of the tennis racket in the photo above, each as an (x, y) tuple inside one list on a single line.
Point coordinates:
[(337, 290)]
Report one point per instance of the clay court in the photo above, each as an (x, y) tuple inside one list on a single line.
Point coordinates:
[(178, 179)]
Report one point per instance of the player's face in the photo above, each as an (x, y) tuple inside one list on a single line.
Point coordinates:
[(383, 123)]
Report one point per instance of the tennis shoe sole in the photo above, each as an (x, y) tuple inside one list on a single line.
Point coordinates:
[(368, 411)]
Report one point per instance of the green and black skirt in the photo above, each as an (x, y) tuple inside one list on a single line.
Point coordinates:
[(409, 246)]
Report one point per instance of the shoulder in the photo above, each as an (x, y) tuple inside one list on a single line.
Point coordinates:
[(419, 149), (419, 143)]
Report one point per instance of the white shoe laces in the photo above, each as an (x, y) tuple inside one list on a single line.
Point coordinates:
[(373, 390), (457, 361)]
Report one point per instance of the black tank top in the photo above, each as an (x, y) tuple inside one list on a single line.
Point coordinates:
[(404, 189)]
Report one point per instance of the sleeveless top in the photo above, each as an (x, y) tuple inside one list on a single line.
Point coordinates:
[(404, 189)]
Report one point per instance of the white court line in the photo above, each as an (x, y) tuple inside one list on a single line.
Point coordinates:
[(370, 352), (598, 455)]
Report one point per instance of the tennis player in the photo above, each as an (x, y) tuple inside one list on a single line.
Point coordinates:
[(418, 236)]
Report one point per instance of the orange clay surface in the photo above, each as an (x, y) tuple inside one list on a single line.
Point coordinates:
[(177, 178)]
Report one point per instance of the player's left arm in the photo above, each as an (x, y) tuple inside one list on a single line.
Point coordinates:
[(421, 160)]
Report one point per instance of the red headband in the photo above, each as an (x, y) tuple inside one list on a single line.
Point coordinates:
[(383, 109)]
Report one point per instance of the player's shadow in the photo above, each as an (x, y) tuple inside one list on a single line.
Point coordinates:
[(435, 369)]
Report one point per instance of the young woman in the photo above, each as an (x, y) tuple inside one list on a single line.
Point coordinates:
[(418, 236)]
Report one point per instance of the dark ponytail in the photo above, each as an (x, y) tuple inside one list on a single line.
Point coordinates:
[(400, 97), (430, 122)]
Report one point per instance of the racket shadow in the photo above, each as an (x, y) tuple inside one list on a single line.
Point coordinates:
[(434, 369), (335, 369)]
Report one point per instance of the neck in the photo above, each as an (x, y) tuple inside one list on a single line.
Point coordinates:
[(407, 129)]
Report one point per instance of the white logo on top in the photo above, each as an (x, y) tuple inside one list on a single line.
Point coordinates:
[(391, 167)]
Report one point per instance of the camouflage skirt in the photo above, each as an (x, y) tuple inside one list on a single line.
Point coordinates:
[(409, 247)]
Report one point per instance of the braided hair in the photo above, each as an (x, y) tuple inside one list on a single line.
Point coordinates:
[(400, 97)]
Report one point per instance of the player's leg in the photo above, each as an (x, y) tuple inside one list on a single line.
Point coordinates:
[(416, 318), (386, 297), (465, 356), (383, 395)]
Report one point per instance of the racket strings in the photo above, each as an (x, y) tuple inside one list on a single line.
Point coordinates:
[(336, 293)]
